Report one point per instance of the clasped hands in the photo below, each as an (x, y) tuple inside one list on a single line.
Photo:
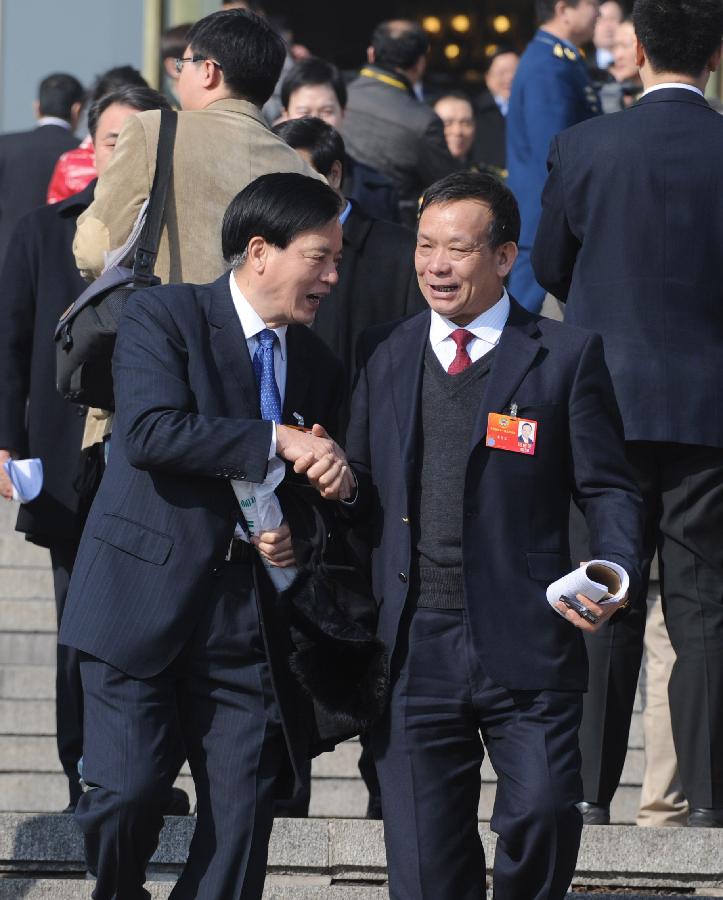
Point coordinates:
[(322, 460), (314, 454)]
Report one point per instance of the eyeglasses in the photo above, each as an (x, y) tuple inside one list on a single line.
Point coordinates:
[(180, 60)]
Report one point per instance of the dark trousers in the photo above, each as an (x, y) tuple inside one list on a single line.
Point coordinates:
[(68, 687), (215, 704), (428, 753), (682, 488)]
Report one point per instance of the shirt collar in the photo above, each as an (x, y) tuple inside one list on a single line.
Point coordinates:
[(53, 120), (487, 326), (251, 321), (673, 84), (345, 215)]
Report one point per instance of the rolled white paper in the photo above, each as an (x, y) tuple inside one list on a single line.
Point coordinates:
[(604, 582)]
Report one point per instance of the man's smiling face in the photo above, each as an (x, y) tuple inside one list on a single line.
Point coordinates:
[(459, 274)]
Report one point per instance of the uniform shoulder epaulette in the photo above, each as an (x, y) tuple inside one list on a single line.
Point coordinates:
[(562, 52)]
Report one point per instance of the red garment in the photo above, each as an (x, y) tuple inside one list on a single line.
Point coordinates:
[(73, 172)]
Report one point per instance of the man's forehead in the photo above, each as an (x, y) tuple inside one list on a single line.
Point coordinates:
[(463, 217)]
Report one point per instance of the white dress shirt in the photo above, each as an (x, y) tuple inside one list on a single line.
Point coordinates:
[(252, 324), (672, 84), (486, 328), (53, 120)]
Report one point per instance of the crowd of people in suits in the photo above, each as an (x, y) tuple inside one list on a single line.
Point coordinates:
[(394, 268)]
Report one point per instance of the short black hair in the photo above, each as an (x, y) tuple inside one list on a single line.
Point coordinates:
[(132, 95), (313, 71), (545, 9), (57, 94), (277, 207), (323, 142), (505, 225), (175, 40), (398, 44), (454, 95), (249, 51), (504, 50), (679, 35), (113, 80)]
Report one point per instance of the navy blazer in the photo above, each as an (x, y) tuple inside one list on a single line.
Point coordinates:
[(516, 507), (631, 236), (187, 420)]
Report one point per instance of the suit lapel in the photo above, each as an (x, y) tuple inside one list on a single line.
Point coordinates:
[(515, 353), (229, 345), (299, 365), (406, 348)]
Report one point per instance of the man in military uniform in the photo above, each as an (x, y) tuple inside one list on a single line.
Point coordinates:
[(551, 91)]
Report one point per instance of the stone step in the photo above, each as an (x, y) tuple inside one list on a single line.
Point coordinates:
[(43, 792), (16, 551), (17, 649), (333, 798), (36, 615), (351, 855), (278, 887), (27, 682), (25, 581), (342, 763), (27, 717)]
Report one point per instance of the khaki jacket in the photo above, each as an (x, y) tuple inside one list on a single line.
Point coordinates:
[(218, 151)]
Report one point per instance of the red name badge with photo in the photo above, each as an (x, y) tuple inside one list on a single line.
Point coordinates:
[(511, 433)]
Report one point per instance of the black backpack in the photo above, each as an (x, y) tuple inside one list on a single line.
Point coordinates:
[(86, 333)]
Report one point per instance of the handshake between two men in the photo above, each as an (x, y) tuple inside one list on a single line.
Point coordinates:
[(314, 454)]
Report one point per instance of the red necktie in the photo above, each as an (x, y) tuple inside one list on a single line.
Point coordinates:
[(461, 361)]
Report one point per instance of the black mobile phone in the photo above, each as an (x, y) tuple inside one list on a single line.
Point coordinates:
[(580, 608)]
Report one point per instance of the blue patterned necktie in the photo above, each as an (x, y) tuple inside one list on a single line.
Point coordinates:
[(265, 376)]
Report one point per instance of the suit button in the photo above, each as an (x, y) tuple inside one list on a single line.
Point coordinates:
[(242, 476), (405, 520), (402, 577)]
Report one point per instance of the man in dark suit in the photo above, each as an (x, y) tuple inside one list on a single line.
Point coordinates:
[(631, 235), (387, 126), (168, 604), (377, 282), (40, 280), (491, 107), (315, 87), (27, 158), (468, 536)]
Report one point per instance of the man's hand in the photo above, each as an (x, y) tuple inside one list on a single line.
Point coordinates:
[(6, 488), (292, 444), (330, 474), (602, 612), (275, 546)]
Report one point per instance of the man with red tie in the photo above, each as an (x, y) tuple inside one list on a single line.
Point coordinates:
[(470, 530)]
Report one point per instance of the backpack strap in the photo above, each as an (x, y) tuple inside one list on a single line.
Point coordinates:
[(145, 258)]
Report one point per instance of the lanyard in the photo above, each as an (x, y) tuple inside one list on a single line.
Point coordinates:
[(386, 79)]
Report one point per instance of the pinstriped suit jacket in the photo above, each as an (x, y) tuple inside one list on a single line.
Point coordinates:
[(187, 420)]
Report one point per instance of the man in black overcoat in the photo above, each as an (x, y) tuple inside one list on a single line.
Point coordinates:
[(630, 237)]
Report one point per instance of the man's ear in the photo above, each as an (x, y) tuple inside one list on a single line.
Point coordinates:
[(169, 67), (212, 75), (75, 111), (506, 254), (257, 254), (371, 55), (36, 109), (336, 174), (640, 57), (714, 61)]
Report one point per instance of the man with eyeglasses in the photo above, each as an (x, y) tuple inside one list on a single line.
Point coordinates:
[(226, 73)]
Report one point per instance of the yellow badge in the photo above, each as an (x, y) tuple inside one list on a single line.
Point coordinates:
[(570, 54), (558, 51)]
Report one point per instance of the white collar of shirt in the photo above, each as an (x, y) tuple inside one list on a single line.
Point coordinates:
[(53, 120), (251, 321), (673, 84), (502, 104), (486, 328)]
